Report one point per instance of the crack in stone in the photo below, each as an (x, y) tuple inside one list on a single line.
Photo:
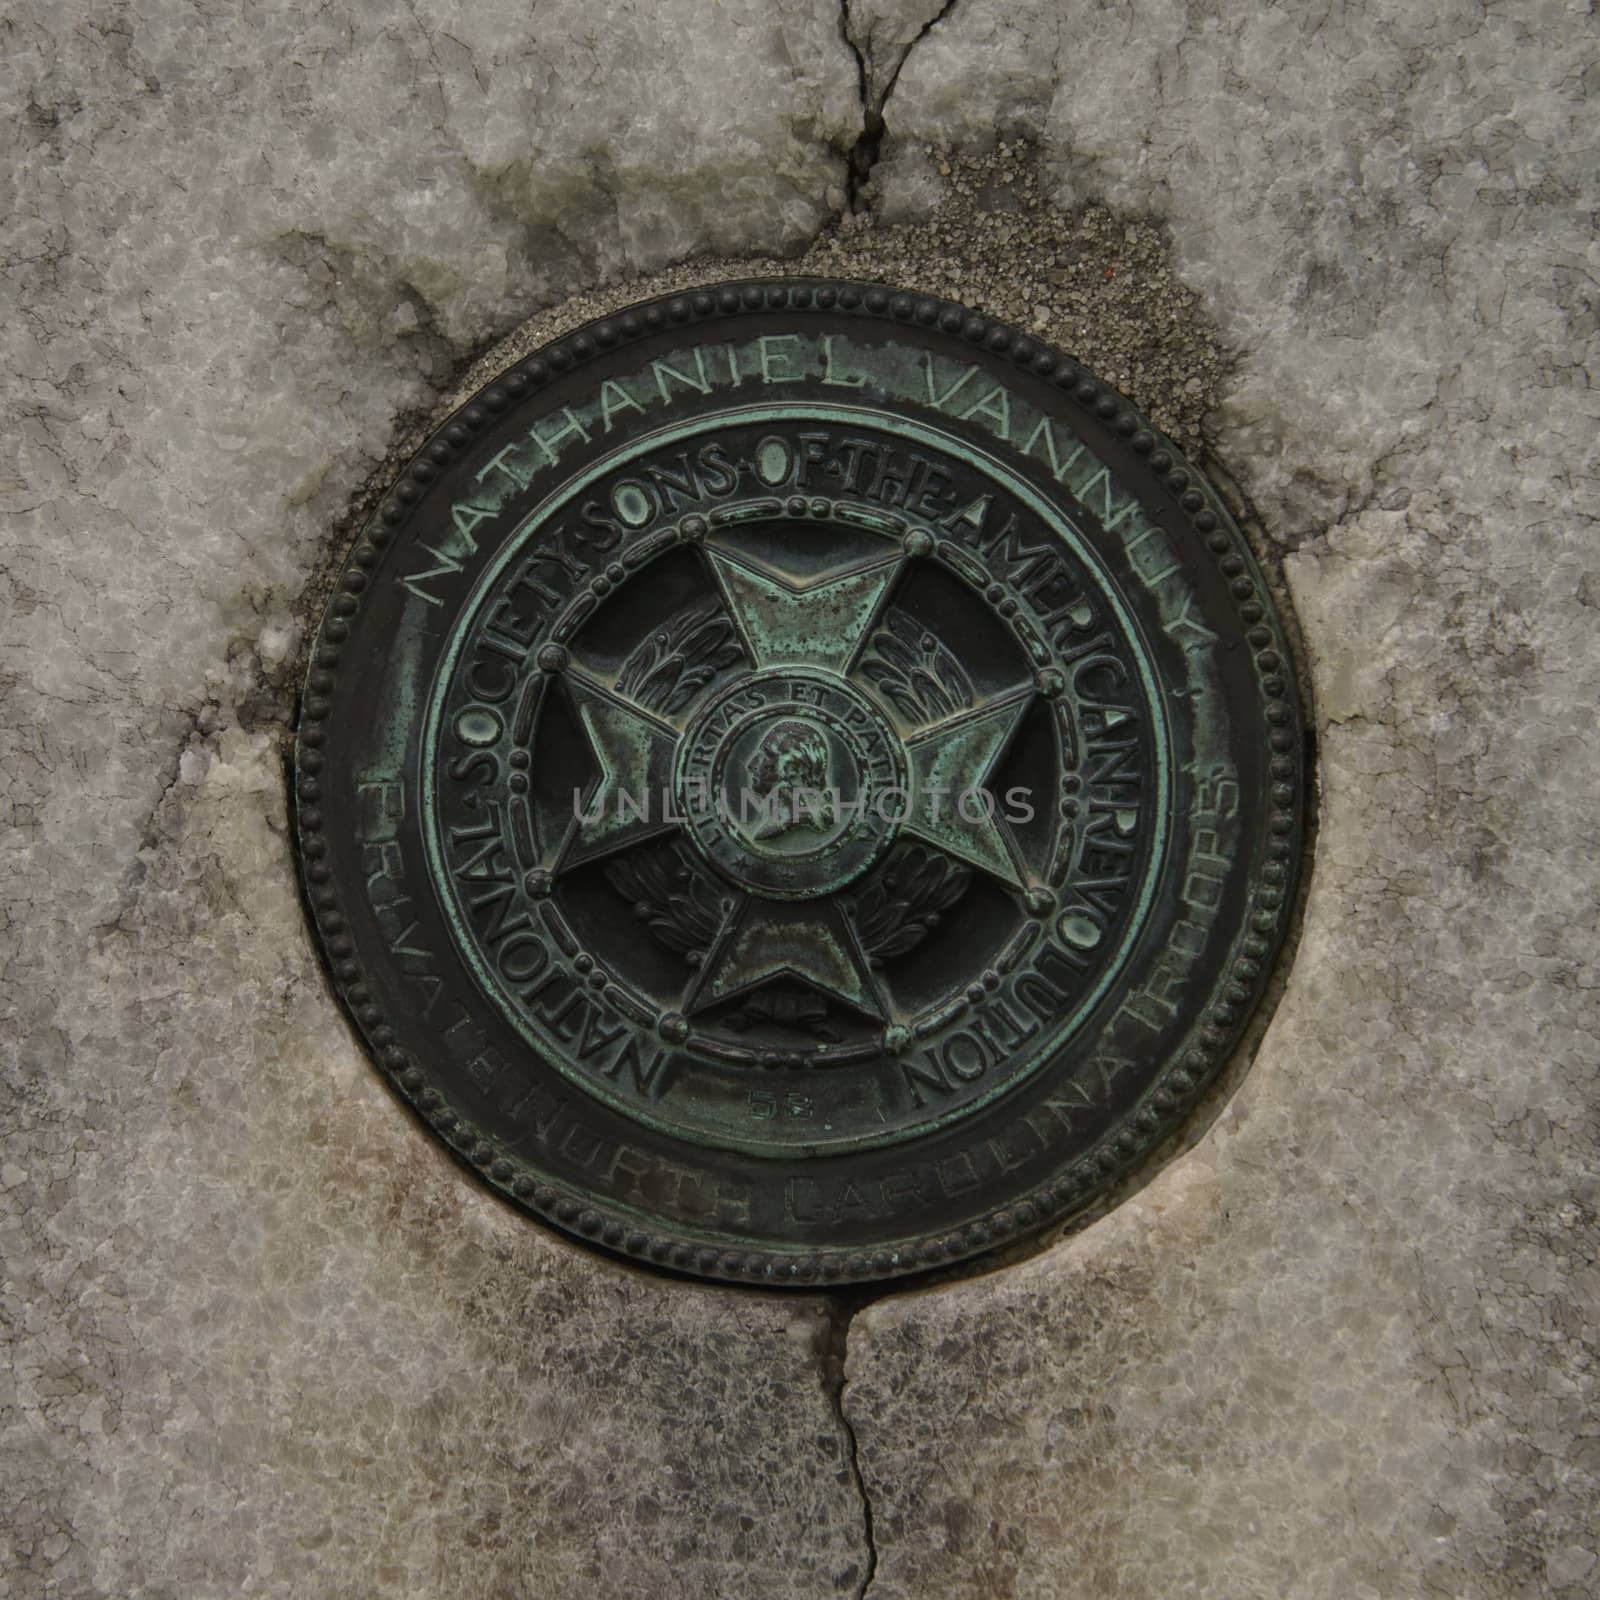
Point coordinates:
[(865, 152), (840, 1312), (922, 33), (265, 711), (196, 725)]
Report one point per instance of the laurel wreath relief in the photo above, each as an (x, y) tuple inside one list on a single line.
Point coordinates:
[(672, 665), (904, 904), (915, 671), (897, 910), (677, 904)]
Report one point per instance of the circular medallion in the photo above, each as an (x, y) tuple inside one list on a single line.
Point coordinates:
[(790, 782), (800, 783)]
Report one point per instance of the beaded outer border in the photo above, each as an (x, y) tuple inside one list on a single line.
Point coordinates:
[(1221, 1022)]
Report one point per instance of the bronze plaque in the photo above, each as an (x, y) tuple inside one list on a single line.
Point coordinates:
[(799, 783)]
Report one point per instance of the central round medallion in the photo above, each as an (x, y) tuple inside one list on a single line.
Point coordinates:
[(791, 783)]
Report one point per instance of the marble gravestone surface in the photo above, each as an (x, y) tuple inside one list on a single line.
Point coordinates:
[(261, 1337)]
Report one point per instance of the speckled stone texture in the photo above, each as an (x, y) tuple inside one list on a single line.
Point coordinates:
[(1346, 1347), (260, 1336)]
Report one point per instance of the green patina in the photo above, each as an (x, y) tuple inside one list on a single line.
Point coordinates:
[(812, 628), (800, 566)]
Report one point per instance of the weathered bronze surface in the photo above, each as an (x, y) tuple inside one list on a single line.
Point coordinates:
[(800, 783)]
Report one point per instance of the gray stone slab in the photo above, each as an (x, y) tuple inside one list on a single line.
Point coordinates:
[(1345, 1346), (261, 1336)]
